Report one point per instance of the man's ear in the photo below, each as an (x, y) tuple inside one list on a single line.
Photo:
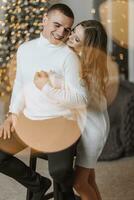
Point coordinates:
[(45, 19)]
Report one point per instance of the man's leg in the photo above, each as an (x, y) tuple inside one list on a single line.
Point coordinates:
[(61, 170), (15, 168)]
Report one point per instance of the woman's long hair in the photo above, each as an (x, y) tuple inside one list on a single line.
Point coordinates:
[(93, 58)]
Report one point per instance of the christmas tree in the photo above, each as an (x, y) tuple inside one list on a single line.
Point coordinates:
[(21, 20)]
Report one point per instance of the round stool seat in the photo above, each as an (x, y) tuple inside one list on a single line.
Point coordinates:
[(49, 135)]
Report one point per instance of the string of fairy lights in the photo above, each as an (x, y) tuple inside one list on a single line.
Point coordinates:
[(20, 20)]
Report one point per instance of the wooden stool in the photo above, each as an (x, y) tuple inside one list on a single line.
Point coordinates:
[(50, 135)]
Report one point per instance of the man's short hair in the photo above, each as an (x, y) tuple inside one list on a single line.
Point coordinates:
[(63, 8)]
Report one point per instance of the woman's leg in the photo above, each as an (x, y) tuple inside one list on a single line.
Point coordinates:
[(85, 184), (92, 182)]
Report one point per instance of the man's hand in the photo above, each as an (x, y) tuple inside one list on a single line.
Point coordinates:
[(40, 79), (8, 127)]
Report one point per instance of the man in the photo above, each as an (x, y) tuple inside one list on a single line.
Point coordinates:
[(45, 53)]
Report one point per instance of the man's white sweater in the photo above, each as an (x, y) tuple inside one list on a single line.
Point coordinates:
[(49, 102)]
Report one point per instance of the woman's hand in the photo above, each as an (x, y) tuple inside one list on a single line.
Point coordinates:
[(40, 79)]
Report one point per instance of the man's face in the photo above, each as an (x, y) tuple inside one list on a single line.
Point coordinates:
[(57, 27)]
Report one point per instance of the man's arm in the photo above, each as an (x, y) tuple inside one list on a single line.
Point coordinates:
[(17, 98), (16, 104), (74, 94)]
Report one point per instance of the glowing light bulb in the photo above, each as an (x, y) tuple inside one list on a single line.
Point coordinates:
[(93, 11)]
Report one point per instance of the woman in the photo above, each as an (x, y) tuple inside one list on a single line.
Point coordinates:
[(89, 41)]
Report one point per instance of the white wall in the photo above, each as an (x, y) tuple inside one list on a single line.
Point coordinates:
[(131, 40), (81, 8)]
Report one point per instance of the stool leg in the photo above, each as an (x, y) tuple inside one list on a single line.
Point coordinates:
[(33, 161), (57, 193), (55, 186), (28, 195)]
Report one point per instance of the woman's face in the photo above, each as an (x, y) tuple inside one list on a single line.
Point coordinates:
[(76, 39)]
